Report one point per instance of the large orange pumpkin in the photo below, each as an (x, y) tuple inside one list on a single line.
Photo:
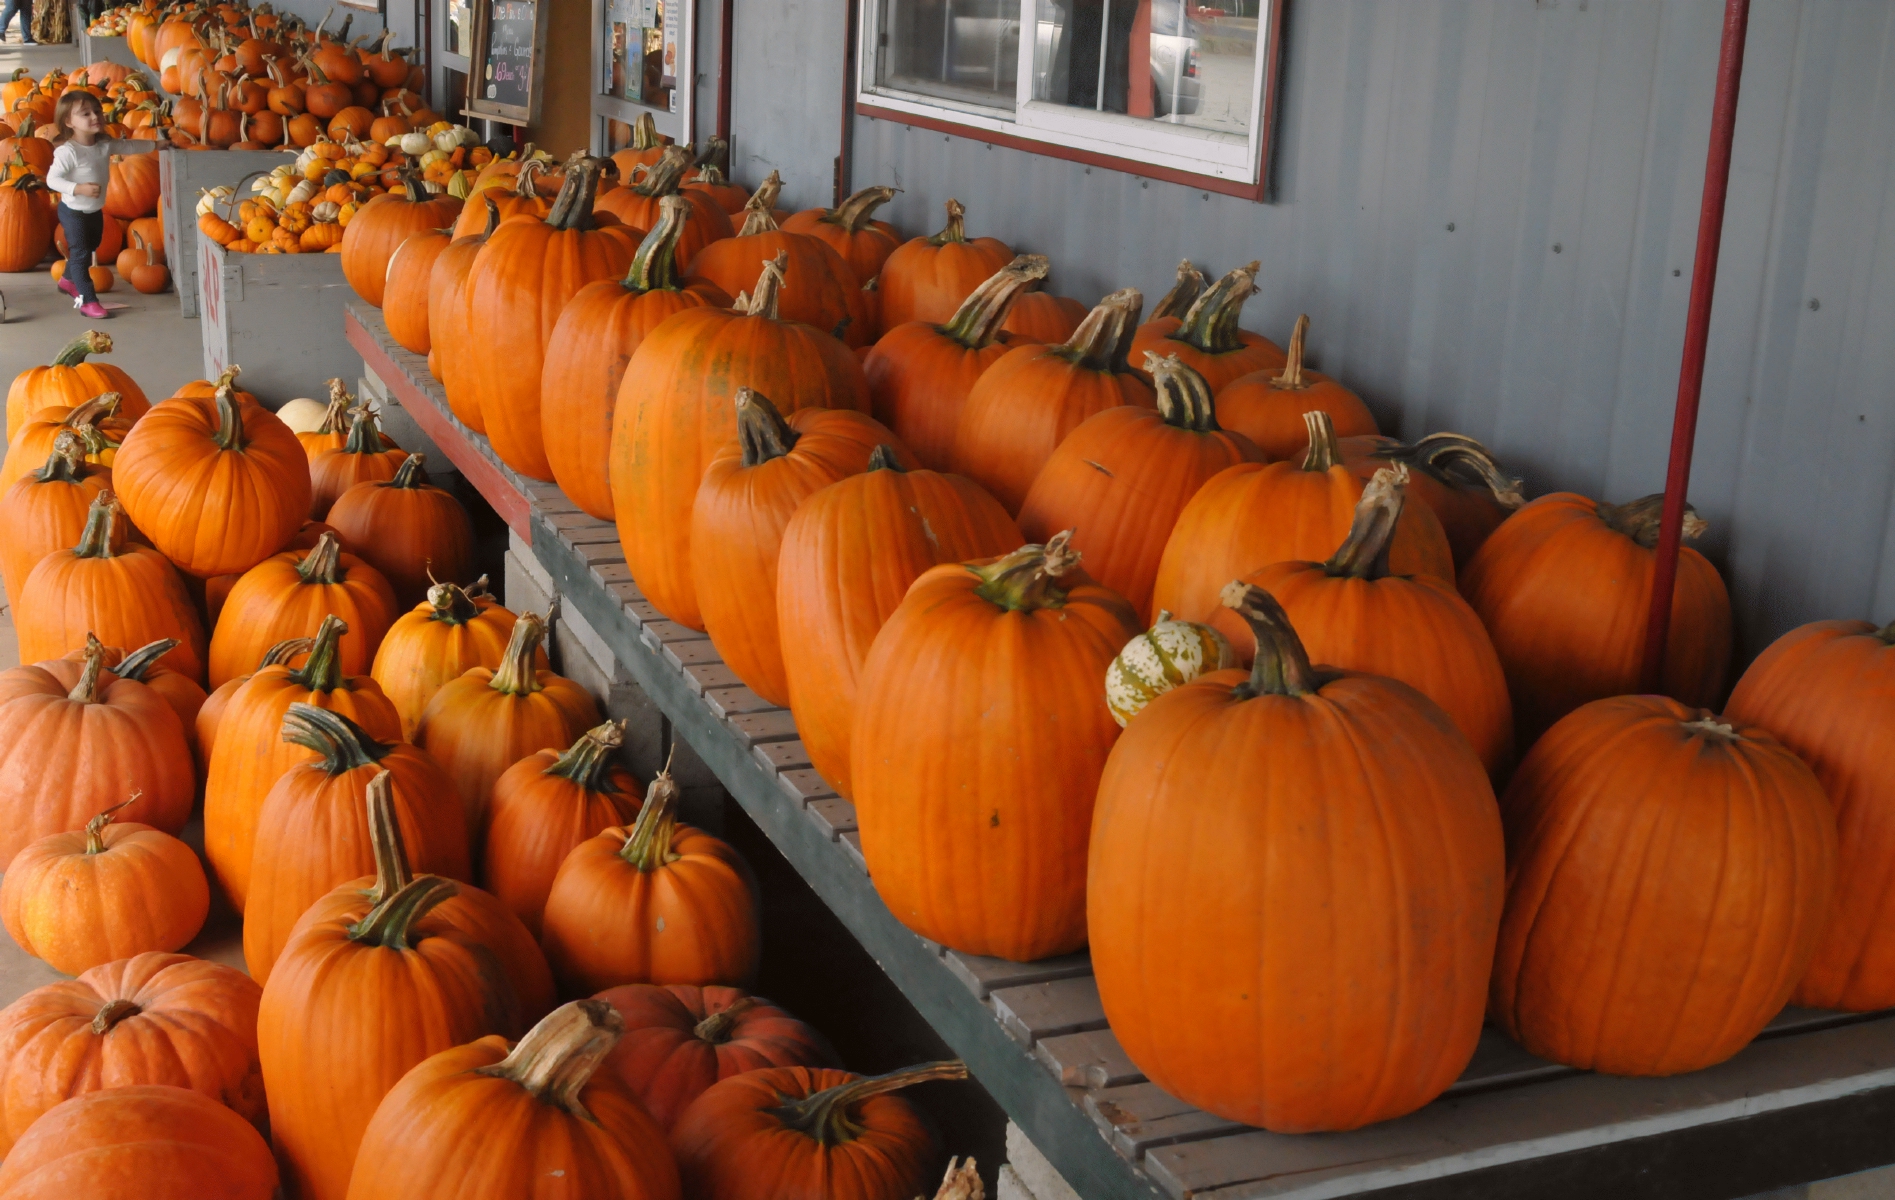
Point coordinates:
[(26, 223), (920, 372), (145, 664), (639, 204), (405, 289), (455, 629), (433, 1130), (96, 423), (151, 1018), (1208, 338), (1669, 876), (449, 322), (287, 595), (521, 199), (749, 493), (817, 287), (218, 485), (45, 510), (1268, 406), (407, 529), (1123, 475), (367, 455), (210, 713), (851, 230), (379, 228), (69, 381), (1322, 963), (1023, 406), (1452, 474), (1564, 588), (928, 278), (674, 415), (598, 331), (1040, 316), (1250, 516), (1825, 690), (143, 1142), (519, 284), (660, 902), (132, 191)]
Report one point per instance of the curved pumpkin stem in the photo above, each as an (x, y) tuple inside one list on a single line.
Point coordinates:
[(1183, 293), (757, 219), (956, 228), (1638, 519), (138, 664), (90, 342), (516, 676), (1290, 379), (365, 433), (714, 157), (323, 671), (557, 1057), (1282, 665), (286, 650), (1211, 323), (716, 1028), (1324, 451), (95, 828), (883, 458), (648, 845), (452, 603), (587, 763), (410, 473), (335, 416), (229, 419), (655, 265), (323, 565), (1364, 553), (1028, 579), (767, 192), (962, 1181), (493, 216), (392, 870), (1458, 461), (112, 1012), (339, 743), (95, 540), (825, 1115), (763, 301), (390, 924), (1184, 398), (62, 463), (855, 212), (414, 189), (645, 135), (976, 323), (661, 178), (572, 209), (1105, 336), (761, 429)]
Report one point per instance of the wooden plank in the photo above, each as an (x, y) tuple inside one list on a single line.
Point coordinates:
[(683, 654), (593, 535), (704, 676), (661, 631), (774, 726), (1036, 1010), (614, 575), (601, 553), (851, 843), (571, 520), (1092, 1059), (834, 816), (1141, 1116), (983, 975), (804, 785), (735, 701), (781, 756)]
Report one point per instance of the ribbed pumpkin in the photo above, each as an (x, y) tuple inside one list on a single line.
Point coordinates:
[(405, 290), (1250, 516), (1123, 475), (151, 1018), (449, 322), (455, 629), (26, 222), (749, 493), (406, 528), (928, 278), (646, 146), (1669, 876), (674, 415), (522, 198), (1824, 691), (379, 228), (333, 431), (366, 456), (69, 381), (851, 230), (1353, 614), (287, 595), (45, 510), (680, 1039), (132, 190), (793, 1133), (1207, 337), (145, 664), (1564, 588), (1268, 405), (1042, 317), (598, 331), (249, 754), (312, 831), (1023, 406), (355, 1001), (96, 423), (849, 553), (920, 372), (210, 713), (660, 902), (1324, 957), (433, 1133), (128, 596), (817, 287), (520, 282), (489, 718), (974, 820), (108, 892), (145, 1142), (217, 485), (640, 204), (1453, 475)]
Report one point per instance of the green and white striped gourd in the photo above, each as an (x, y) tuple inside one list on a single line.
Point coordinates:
[(1168, 655)]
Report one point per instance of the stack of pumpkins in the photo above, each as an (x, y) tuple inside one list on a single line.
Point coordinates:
[(219, 608), (929, 507)]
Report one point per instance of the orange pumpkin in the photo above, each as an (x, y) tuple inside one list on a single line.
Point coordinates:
[(646, 146), (366, 455), (405, 289), (851, 230), (817, 287), (69, 381), (96, 423), (406, 528), (449, 322), (144, 1142), (521, 199), (1268, 406), (454, 630), (1453, 475), (145, 665), (928, 278), (1042, 317), (639, 204), (45, 511), (132, 190), (288, 594), (1207, 337), (26, 222), (210, 713), (383, 224)]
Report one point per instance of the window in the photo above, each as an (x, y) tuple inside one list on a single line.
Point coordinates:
[(1175, 84), (642, 64)]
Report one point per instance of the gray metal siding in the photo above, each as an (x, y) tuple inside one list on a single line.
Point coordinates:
[(1579, 124)]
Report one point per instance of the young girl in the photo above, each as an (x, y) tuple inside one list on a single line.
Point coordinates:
[(82, 166)]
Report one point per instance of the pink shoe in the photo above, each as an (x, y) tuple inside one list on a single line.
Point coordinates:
[(69, 287), (94, 311)]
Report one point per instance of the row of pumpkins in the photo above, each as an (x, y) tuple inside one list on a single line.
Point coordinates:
[(369, 745), (927, 505)]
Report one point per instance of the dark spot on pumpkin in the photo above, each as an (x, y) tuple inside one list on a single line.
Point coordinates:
[(993, 821), (1101, 468)]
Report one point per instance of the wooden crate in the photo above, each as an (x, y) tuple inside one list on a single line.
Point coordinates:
[(180, 177), (278, 316)]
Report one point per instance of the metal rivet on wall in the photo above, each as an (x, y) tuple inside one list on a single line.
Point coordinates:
[(1144, 183), (1450, 227), (1557, 247), (1675, 272), (1814, 304)]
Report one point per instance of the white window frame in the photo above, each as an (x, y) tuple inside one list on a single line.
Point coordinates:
[(1140, 140), (679, 122)]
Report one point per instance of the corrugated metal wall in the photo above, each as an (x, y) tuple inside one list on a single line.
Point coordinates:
[(1489, 209)]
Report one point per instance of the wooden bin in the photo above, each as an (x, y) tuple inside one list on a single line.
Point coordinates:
[(180, 177), (278, 316)]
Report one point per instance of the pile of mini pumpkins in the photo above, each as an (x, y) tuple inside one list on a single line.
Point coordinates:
[(458, 910), (929, 507)]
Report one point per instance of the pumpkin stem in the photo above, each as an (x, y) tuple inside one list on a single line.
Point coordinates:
[(557, 1057), (516, 676), (714, 157), (340, 743), (716, 1028), (1028, 579), (285, 650), (655, 265), (587, 763), (1183, 293), (493, 216), (89, 342), (95, 540), (392, 872), (112, 1013), (451, 604), (1211, 323), (883, 458), (645, 135), (1639, 519), (229, 419), (365, 434), (323, 565), (95, 828), (1461, 462), (825, 1115), (391, 923), (767, 192), (413, 188), (956, 229), (105, 404), (662, 178), (62, 464), (761, 429), (757, 219), (572, 209), (323, 671), (409, 473), (1105, 336), (648, 845), (1324, 451), (854, 213), (1291, 377), (1364, 553), (336, 416), (1184, 398), (1708, 725), (1282, 665), (762, 301), (136, 665), (976, 323)]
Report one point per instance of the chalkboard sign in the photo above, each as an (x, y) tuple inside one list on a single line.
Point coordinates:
[(509, 46)]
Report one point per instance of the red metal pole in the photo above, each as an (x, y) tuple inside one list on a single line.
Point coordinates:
[(1697, 330)]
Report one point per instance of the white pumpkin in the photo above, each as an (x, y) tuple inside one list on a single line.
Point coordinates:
[(1168, 655), (303, 415), (211, 196), (305, 190), (413, 144)]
